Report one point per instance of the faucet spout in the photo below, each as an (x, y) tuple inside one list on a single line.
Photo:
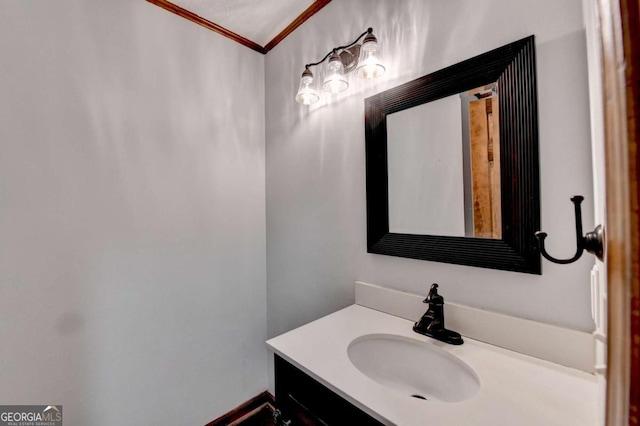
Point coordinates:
[(432, 322)]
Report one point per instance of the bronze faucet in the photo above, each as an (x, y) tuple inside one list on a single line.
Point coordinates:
[(432, 322)]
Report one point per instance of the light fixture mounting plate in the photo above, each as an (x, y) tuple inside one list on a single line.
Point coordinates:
[(349, 58)]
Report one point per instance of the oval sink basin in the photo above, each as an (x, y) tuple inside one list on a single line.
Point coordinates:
[(417, 369)]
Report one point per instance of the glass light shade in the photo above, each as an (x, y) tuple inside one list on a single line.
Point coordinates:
[(307, 94), (335, 82), (369, 63)]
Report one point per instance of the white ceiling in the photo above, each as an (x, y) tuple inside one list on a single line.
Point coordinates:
[(257, 20)]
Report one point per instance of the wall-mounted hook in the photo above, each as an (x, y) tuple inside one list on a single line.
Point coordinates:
[(593, 242)]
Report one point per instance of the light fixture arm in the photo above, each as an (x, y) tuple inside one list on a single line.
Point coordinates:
[(336, 49)]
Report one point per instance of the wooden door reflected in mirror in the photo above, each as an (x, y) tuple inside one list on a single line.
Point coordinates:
[(484, 146)]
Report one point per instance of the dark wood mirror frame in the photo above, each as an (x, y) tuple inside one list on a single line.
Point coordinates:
[(513, 67)]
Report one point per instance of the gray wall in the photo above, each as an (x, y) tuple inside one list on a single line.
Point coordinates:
[(413, 166), (316, 218), (132, 214)]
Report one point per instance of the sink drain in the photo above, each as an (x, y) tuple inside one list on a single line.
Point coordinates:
[(419, 397)]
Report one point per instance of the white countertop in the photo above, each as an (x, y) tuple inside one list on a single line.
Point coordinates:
[(516, 390)]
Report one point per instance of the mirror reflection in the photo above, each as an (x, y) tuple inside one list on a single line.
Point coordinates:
[(444, 166)]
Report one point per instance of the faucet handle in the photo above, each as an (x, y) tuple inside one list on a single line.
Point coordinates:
[(433, 297)]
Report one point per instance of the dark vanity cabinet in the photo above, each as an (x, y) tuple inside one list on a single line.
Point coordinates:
[(304, 401)]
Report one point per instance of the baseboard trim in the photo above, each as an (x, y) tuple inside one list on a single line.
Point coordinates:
[(246, 410)]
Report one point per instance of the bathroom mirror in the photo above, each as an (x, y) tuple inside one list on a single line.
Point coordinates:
[(462, 155), (452, 164)]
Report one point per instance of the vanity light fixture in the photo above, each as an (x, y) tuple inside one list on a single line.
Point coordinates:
[(363, 58)]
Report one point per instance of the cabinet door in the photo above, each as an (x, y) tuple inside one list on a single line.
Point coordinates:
[(306, 402)]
